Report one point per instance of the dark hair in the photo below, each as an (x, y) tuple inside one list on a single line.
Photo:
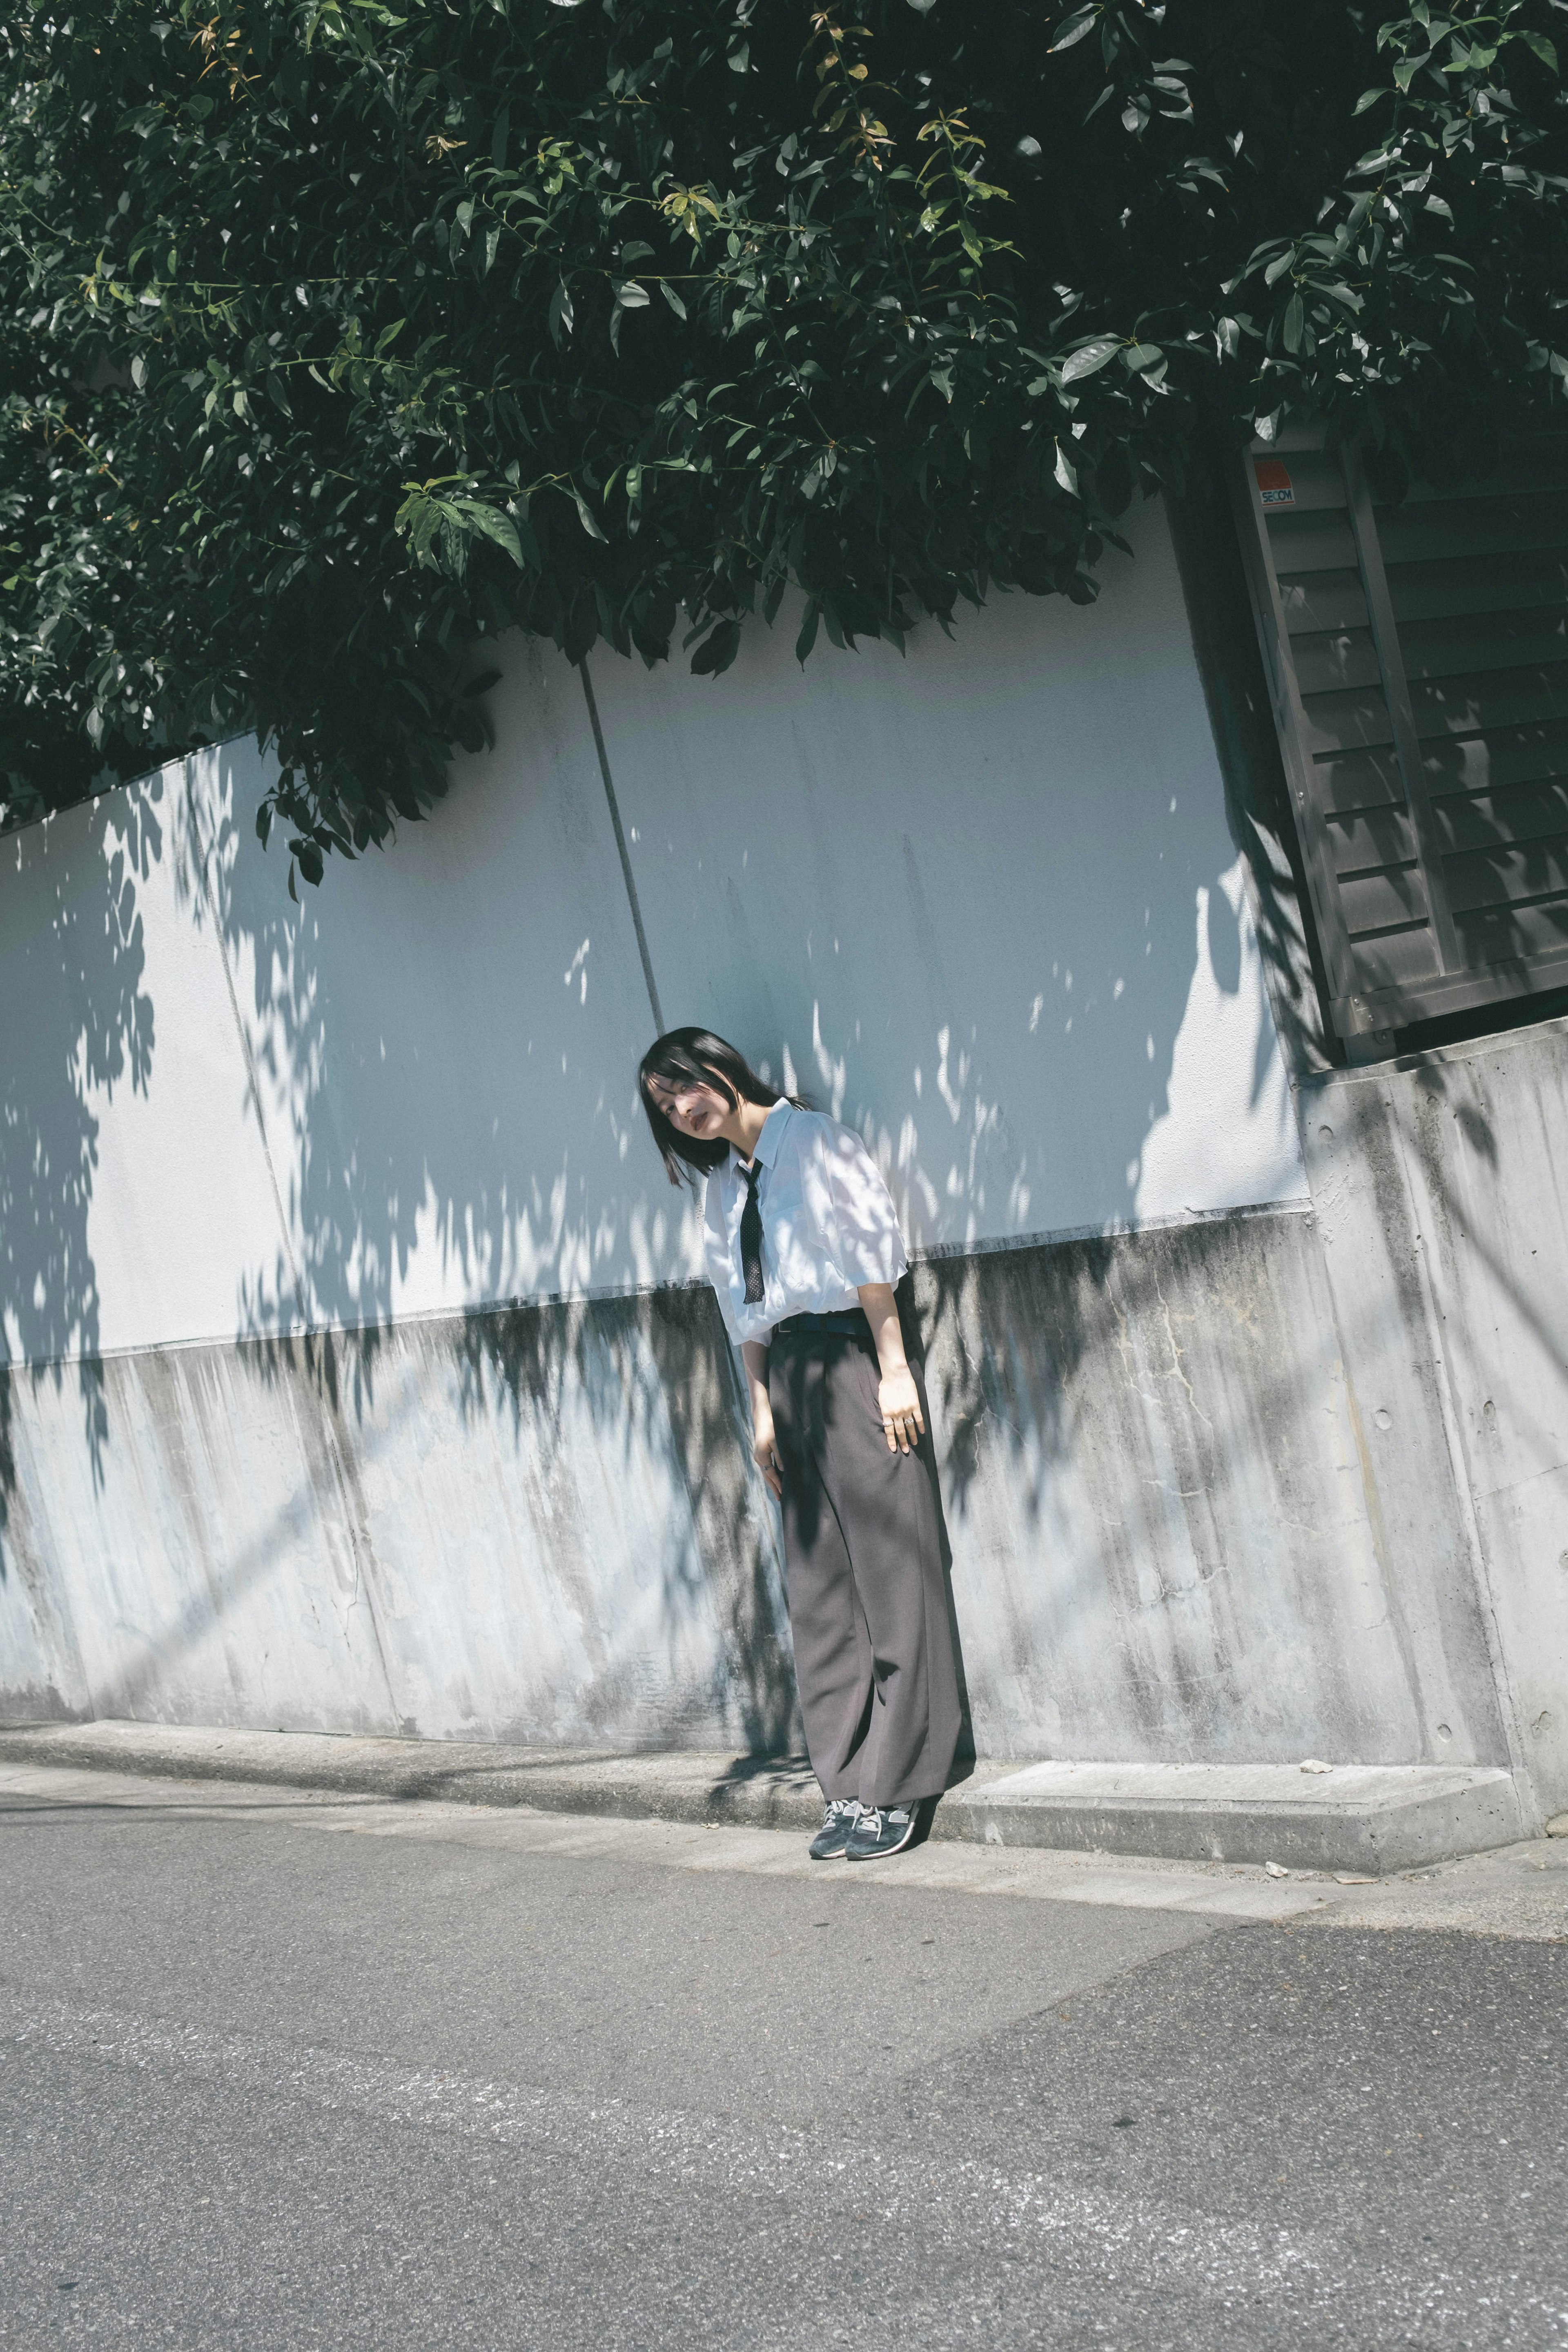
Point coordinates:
[(680, 1057)]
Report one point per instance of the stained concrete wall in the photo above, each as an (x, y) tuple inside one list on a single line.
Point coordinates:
[(1444, 1214), (356, 1381), (538, 1523)]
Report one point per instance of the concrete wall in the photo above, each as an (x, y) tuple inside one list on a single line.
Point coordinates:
[(356, 1381), (1444, 1212), (537, 1523)]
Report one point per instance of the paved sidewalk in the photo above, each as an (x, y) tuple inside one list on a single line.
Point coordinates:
[(1518, 1892), (1373, 1820), (675, 1785)]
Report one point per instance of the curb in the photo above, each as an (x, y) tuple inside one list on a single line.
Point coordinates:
[(667, 1784), (1372, 1819)]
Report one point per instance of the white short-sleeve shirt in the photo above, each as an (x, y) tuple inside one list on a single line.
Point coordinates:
[(829, 1224)]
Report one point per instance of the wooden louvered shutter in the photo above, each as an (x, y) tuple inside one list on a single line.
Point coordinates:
[(1418, 664)]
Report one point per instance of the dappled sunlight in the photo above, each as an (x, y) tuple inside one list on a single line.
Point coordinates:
[(478, 1462), (82, 1034), (445, 1121), (1227, 1135)]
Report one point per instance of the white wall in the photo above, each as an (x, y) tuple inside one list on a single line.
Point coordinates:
[(980, 901)]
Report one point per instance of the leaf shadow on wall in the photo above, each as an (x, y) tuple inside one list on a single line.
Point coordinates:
[(385, 1161), (73, 963), (661, 1497)]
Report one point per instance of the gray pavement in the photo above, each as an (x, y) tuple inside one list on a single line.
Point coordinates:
[(284, 2069)]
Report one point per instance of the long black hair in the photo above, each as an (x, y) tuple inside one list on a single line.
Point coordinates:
[(680, 1057)]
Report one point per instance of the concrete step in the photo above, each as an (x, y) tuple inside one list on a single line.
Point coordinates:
[(1373, 1818), (1364, 1817)]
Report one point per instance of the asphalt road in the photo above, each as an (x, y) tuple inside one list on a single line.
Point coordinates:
[(281, 2074)]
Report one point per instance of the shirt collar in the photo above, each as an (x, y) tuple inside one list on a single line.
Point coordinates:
[(773, 1130)]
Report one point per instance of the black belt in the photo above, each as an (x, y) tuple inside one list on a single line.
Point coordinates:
[(851, 1321)]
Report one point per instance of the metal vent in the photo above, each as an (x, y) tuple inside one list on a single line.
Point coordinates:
[(1419, 663)]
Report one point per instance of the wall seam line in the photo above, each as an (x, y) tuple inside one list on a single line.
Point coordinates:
[(626, 874), (612, 1294)]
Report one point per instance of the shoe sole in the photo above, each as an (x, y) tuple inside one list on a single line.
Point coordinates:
[(883, 1852)]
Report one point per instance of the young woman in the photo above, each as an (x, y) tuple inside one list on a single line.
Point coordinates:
[(804, 1249)]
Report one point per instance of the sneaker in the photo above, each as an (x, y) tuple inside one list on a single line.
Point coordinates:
[(838, 1823), (881, 1830)]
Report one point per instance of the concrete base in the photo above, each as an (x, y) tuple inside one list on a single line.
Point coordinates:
[(1370, 1817), (677, 1785)]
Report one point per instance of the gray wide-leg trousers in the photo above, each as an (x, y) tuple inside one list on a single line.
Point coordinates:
[(867, 1588)]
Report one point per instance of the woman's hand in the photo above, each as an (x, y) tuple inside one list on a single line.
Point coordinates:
[(765, 1454), (903, 1422)]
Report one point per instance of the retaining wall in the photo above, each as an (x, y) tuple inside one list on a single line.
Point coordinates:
[(357, 1378)]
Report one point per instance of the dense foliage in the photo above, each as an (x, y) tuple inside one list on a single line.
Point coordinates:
[(336, 340)]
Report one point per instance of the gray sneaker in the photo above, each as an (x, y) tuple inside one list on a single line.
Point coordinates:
[(880, 1831), (838, 1825)]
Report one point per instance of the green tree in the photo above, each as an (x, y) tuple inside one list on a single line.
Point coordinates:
[(335, 341)]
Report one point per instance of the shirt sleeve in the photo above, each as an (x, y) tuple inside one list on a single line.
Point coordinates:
[(870, 1246), (716, 1243)]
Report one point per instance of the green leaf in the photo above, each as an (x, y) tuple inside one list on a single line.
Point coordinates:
[(559, 317), (585, 515), (1073, 28), (492, 522), (1088, 358)]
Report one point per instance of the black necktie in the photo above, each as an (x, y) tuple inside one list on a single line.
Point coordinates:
[(752, 1236)]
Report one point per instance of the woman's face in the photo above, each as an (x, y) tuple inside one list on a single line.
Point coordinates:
[(692, 1107)]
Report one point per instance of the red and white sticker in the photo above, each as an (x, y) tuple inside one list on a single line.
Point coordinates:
[(1273, 482)]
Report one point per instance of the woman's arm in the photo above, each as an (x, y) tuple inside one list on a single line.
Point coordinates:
[(764, 1453), (902, 1420)]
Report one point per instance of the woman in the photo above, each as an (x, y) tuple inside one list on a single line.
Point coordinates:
[(804, 1249)]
